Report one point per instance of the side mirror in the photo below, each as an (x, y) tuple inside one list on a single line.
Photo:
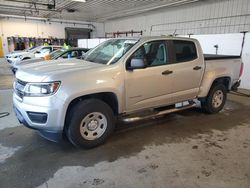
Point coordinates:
[(137, 64)]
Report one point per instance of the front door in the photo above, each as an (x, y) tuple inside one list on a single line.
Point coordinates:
[(150, 86)]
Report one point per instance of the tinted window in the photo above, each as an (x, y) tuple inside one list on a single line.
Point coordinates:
[(184, 51), (154, 53), (56, 48), (45, 50), (57, 53)]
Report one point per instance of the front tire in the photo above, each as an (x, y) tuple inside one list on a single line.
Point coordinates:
[(215, 100), (91, 123)]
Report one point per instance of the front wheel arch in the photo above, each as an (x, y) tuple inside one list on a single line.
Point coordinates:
[(26, 58), (108, 97)]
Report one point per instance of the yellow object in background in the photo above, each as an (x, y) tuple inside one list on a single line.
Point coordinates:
[(1, 48), (47, 57)]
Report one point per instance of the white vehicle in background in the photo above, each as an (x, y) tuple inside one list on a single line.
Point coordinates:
[(18, 51), (37, 52), (58, 54), (12, 54)]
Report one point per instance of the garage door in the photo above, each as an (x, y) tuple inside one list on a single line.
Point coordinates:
[(73, 34)]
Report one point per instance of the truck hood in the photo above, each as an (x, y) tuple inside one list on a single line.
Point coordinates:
[(14, 52), (18, 54), (36, 72), (28, 61)]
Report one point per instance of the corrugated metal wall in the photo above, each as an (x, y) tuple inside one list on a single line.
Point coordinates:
[(203, 17)]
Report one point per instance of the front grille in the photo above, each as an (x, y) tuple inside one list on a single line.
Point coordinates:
[(21, 82), (19, 94), (19, 88)]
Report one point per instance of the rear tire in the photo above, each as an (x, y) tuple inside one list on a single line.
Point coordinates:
[(90, 123), (215, 100)]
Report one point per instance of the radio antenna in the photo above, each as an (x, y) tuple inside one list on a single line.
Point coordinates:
[(174, 32)]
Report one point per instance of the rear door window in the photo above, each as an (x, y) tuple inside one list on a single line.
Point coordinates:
[(56, 48), (45, 50), (184, 51)]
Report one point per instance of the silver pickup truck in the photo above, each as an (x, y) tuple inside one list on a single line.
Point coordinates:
[(127, 79)]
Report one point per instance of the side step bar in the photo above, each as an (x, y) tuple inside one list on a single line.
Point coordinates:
[(159, 113)]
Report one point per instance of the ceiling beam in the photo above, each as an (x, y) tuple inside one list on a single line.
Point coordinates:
[(32, 2), (12, 7)]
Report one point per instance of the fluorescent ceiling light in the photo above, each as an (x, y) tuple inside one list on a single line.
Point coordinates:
[(83, 1)]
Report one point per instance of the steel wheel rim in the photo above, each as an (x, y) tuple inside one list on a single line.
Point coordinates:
[(93, 126), (217, 99)]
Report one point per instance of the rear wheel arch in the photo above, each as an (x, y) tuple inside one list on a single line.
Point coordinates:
[(226, 80), (222, 80), (222, 84)]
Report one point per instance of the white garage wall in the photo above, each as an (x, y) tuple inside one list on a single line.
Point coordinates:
[(204, 17), (207, 20), (229, 44), (246, 60), (90, 43), (22, 28)]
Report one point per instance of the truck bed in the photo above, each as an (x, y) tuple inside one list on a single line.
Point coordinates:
[(220, 66), (208, 57)]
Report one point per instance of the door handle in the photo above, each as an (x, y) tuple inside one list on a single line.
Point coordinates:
[(197, 68), (166, 72)]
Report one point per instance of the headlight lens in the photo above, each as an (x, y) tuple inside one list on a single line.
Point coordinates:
[(41, 89), (18, 56)]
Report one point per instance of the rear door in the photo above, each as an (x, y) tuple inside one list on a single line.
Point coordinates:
[(187, 70)]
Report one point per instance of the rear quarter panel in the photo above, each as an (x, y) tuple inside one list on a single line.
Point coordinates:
[(218, 69)]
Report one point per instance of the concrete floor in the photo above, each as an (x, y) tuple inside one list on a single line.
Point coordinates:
[(186, 149)]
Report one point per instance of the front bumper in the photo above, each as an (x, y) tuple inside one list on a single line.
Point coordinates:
[(51, 128), (13, 60), (13, 69), (9, 61)]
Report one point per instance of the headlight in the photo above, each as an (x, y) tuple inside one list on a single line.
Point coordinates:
[(18, 56), (41, 89)]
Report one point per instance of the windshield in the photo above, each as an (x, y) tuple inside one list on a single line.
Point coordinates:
[(29, 49), (33, 50), (109, 52), (57, 53)]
